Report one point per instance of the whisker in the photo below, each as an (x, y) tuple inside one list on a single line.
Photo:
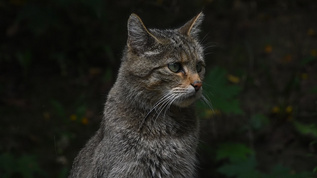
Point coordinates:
[(166, 104), (206, 100), (209, 89), (169, 105), (210, 45), (209, 49), (208, 53), (206, 84), (206, 95), (159, 105), (163, 105), (204, 38), (160, 101)]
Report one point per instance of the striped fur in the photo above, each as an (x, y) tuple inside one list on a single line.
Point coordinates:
[(149, 128)]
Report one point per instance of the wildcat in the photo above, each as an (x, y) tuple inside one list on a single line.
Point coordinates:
[(149, 128)]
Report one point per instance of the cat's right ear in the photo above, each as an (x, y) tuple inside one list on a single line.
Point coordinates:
[(139, 36), (191, 28)]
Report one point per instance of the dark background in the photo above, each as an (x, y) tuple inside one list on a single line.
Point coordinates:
[(59, 58)]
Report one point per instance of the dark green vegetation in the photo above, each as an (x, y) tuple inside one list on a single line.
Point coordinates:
[(59, 58)]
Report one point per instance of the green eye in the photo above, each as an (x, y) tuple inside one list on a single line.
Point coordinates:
[(175, 67), (199, 67)]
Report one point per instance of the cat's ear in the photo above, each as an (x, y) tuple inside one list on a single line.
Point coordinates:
[(139, 36), (191, 28)]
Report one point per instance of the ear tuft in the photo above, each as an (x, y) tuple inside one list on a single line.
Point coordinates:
[(138, 35), (191, 28)]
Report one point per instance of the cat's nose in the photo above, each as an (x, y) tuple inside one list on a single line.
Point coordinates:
[(197, 85)]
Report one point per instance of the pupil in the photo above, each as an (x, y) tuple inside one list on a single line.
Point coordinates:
[(198, 67), (176, 66)]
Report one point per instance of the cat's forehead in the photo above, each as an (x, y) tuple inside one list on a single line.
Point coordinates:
[(173, 47), (175, 41), (172, 37)]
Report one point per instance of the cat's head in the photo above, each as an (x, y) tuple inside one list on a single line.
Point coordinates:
[(165, 65)]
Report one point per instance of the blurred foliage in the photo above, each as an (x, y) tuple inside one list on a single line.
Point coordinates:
[(58, 59), (23, 166), (61, 33), (234, 152), (306, 129), (259, 121), (242, 164), (222, 95)]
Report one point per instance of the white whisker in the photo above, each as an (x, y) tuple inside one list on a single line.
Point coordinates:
[(204, 38), (157, 108), (165, 105), (169, 105), (207, 101), (162, 106), (159, 102)]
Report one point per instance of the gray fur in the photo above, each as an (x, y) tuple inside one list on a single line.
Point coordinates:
[(149, 128)]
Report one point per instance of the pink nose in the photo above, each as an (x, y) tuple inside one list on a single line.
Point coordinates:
[(197, 85)]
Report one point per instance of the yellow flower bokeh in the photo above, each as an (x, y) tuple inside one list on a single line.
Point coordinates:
[(311, 32), (233, 79), (289, 109), (304, 76), (210, 113), (73, 117), (84, 121), (313, 52), (276, 109), (268, 49)]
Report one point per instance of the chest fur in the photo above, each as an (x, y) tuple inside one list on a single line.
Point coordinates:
[(159, 157)]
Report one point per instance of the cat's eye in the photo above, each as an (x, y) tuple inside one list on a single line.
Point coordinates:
[(199, 67), (175, 66)]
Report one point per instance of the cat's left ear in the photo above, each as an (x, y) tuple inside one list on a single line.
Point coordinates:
[(191, 28)]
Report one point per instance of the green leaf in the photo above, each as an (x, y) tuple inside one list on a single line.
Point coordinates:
[(107, 77), (81, 110), (223, 95), (280, 171), (306, 129), (7, 165), (242, 169), (39, 18), (247, 168), (235, 152), (109, 53), (314, 90), (63, 173), (27, 166), (307, 60), (25, 60), (58, 108), (258, 121)]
